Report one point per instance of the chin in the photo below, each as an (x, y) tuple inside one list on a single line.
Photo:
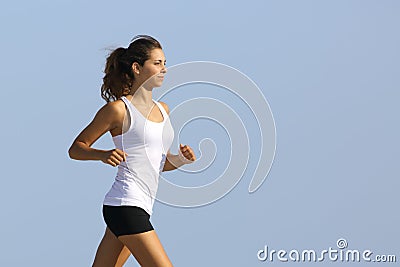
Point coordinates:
[(158, 84)]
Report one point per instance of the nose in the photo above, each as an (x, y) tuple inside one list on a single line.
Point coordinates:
[(164, 69)]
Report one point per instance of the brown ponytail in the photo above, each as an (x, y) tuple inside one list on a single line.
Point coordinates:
[(118, 78)]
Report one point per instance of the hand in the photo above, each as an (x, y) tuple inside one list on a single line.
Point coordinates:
[(186, 154), (114, 157)]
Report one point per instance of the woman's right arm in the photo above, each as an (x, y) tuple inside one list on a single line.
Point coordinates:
[(107, 118)]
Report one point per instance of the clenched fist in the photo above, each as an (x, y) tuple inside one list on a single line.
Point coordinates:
[(114, 157), (186, 154)]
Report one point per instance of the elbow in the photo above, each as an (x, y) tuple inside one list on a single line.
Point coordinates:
[(71, 153)]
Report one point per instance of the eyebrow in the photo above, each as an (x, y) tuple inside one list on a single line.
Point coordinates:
[(160, 60)]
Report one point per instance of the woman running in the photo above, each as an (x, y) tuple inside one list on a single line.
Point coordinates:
[(142, 134)]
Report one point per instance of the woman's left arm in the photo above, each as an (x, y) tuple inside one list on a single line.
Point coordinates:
[(185, 156)]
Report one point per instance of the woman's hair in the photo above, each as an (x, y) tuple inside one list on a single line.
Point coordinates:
[(118, 78)]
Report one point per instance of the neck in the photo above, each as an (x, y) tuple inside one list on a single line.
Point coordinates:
[(142, 96)]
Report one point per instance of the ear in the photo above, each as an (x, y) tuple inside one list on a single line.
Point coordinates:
[(136, 68)]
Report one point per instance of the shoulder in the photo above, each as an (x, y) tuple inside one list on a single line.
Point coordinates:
[(113, 110), (165, 106), (117, 106)]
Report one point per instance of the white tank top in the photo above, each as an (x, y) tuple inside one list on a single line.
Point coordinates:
[(146, 143)]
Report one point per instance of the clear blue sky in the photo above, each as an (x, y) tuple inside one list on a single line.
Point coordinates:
[(329, 70)]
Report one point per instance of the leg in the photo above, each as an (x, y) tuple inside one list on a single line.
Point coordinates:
[(147, 249), (111, 252), (123, 257)]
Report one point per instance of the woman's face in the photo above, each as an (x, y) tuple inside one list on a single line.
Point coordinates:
[(151, 74)]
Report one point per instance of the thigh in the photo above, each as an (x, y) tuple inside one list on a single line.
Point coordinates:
[(111, 252), (147, 249)]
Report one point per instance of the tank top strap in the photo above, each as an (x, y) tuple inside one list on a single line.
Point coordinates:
[(127, 103), (130, 110), (163, 111)]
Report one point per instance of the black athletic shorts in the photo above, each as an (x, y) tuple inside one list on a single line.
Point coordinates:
[(126, 220)]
